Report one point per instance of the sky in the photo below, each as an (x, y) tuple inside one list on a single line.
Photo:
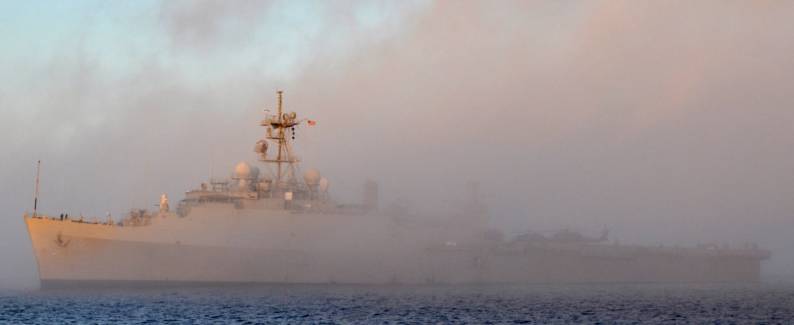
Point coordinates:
[(666, 121)]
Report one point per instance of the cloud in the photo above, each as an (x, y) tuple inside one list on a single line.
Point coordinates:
[(666, 121)]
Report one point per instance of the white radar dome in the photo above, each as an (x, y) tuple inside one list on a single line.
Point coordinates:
[(324, 184), (245, 171), (312, 177)]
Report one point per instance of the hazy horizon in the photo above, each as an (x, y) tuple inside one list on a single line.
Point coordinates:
[(667, 122)]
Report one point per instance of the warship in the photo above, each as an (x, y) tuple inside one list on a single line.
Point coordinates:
[(282, 226)]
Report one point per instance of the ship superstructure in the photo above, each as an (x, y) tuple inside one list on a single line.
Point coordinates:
[(278, 189), (281, 226)]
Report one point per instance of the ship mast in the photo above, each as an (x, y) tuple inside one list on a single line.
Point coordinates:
[(277, 132), (36, 191)]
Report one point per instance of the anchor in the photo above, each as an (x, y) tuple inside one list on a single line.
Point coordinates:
[(61, 243)]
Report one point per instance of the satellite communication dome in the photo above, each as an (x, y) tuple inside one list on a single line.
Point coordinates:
[(245, 171), (312, 177), (324, 184)]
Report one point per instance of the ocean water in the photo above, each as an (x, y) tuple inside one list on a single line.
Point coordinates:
[(345, 304)]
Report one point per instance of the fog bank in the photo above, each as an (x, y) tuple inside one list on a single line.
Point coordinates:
[(668, 122)]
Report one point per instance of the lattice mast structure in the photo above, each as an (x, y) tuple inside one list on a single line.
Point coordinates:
[(278, 126)]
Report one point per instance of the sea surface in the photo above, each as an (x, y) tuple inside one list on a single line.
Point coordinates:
[(345, 304)]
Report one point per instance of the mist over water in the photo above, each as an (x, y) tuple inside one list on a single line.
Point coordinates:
[(668, 122)]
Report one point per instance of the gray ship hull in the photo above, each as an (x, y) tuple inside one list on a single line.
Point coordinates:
[(72, 251)]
